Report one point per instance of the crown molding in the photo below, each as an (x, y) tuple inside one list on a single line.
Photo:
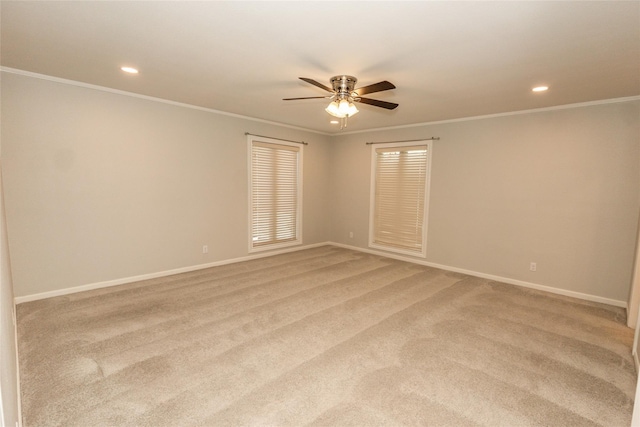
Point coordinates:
[(239, 116), (150, 98), (509, 113)]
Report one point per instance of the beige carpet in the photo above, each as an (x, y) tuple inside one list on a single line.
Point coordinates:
[(323, 337)]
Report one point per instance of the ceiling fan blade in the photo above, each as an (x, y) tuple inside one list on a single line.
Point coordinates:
[(377, 103), (376, 87), (315, 83), (306, 97)]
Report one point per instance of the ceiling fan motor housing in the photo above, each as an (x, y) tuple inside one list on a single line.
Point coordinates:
[(343, 85)]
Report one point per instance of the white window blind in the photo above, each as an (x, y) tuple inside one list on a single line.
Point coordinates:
[(399, 198), (275, 194)]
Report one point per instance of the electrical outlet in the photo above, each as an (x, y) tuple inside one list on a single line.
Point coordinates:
[(533, 266), (351, 234), (205, 249)]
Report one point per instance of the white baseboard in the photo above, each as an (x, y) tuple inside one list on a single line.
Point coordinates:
[(579, 295), (122, 281), (125, 280)]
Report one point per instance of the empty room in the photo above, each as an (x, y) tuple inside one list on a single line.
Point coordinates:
[(271, 213)]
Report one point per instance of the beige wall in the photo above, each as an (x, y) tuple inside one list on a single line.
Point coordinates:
[(101, 186), (559, 188), (9, 402)]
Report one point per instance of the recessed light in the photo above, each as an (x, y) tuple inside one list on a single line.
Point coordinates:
[(129, 70), (540, 88), (334, 122)]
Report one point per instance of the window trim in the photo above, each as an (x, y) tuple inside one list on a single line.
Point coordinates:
[(298, 228), (372, 194)]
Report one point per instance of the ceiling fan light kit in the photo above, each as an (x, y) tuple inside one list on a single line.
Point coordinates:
[(342, 109), (344, 95)]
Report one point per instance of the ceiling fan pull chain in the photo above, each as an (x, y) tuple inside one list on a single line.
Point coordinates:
[(344, 123)]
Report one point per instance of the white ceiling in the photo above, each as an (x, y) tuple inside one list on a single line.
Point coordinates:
[(448, 59)]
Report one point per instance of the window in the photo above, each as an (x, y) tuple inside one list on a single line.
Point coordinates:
[(275, 198), (399, 196)]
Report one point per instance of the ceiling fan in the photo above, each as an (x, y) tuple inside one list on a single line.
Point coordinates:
[(344, 95)]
